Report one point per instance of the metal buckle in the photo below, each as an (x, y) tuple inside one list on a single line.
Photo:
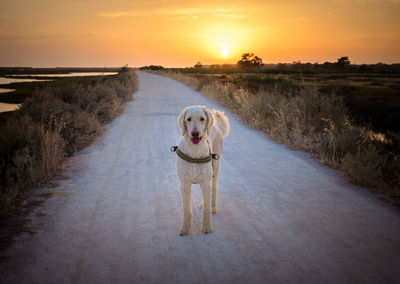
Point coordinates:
[(215, 156)]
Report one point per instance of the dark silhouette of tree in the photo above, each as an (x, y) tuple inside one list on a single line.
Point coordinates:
[(198, 65), (151, 67), (123, 69), (343, 61), (249, 60)]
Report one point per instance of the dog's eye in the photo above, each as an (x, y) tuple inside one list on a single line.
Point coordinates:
[(189, 119), (202, 118)]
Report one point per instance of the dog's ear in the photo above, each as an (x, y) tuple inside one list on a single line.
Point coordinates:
[(210, 119), (182, 122)]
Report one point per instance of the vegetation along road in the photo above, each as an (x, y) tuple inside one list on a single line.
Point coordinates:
[(281, 216)]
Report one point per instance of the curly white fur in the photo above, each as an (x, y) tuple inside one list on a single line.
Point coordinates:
[(202, 130)]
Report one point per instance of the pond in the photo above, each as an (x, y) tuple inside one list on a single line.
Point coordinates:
[(6, 90), (14, 80), (4, 80), (10, 107), (70, 74)]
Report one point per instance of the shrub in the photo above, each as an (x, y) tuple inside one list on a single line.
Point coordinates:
[(364, 165), (30, 155), (101, 102), (56, 122), (78, 128), (304, 118)]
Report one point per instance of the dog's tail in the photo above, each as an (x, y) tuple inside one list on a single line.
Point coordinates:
[(221, 121)]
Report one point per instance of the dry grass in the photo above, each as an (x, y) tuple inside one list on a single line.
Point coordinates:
[(306, 119), (30, 155), (53, 124), (77, 127)]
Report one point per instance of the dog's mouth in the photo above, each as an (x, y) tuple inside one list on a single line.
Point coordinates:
[(195, 140)]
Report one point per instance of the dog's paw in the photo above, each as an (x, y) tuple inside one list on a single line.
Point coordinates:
[(207, 229), (185, 230)]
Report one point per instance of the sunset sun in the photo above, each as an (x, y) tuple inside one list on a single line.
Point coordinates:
[(225, 52)]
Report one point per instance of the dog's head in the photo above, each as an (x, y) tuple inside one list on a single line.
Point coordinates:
[(195, 122)]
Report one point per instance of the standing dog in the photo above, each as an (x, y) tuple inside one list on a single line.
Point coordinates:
[(203, 131)]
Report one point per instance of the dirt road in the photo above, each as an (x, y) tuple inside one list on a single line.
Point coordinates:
[(281, 216)]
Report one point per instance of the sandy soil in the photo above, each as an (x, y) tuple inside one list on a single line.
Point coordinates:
[(281, 216)]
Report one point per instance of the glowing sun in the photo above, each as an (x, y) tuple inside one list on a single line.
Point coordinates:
[(225, 52)]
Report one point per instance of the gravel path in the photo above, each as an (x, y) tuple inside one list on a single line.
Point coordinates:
[(281, 216)]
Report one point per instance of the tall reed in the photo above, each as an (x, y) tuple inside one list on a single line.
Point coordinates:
[(305, 119), (52, 125)]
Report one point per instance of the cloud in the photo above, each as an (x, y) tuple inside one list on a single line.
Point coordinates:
[(216, 12), (292, 20), (47, 36), (374, 37), (113, 15), (186, 13), (229, 15), (119, 14)]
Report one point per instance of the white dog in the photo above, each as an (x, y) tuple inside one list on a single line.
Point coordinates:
[(198, 161)]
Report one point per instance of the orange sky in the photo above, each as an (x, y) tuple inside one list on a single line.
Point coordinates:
[(180, 33)]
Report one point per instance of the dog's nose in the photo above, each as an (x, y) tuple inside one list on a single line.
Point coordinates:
[(195, 134)]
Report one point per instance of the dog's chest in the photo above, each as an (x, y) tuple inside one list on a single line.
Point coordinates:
[(193, 172)]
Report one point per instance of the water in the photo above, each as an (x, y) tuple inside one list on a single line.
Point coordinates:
[(12, 80), (70, 74), (6, 90), (15, 80), (10, 107)]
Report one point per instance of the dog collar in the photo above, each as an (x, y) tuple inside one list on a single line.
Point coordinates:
[(189, 159)]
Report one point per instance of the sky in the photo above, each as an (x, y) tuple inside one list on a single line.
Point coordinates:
[(178, 33)]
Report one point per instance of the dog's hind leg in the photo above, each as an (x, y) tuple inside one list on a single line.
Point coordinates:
[(214, 191), (216, 167), (187, 215), (206, 222)]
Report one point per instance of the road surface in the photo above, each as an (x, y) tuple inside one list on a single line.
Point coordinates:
[(282, 218)]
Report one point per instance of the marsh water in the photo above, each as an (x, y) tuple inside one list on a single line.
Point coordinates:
[(3, 80), (74, 74), (8, 107)]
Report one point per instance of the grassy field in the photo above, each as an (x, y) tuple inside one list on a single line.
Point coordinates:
[(56, 119), (347, 121), (370, 99), (57, 70), (24, 90)]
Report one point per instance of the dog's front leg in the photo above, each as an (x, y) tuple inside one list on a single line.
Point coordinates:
[(216, 166), (206, 222), (186, 201)]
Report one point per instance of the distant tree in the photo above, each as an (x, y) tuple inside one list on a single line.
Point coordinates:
[(198, 65), (343, 61), (364, 68), (249, 60), (214, 66), (123, 69), (281, 66), (151, 67)]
